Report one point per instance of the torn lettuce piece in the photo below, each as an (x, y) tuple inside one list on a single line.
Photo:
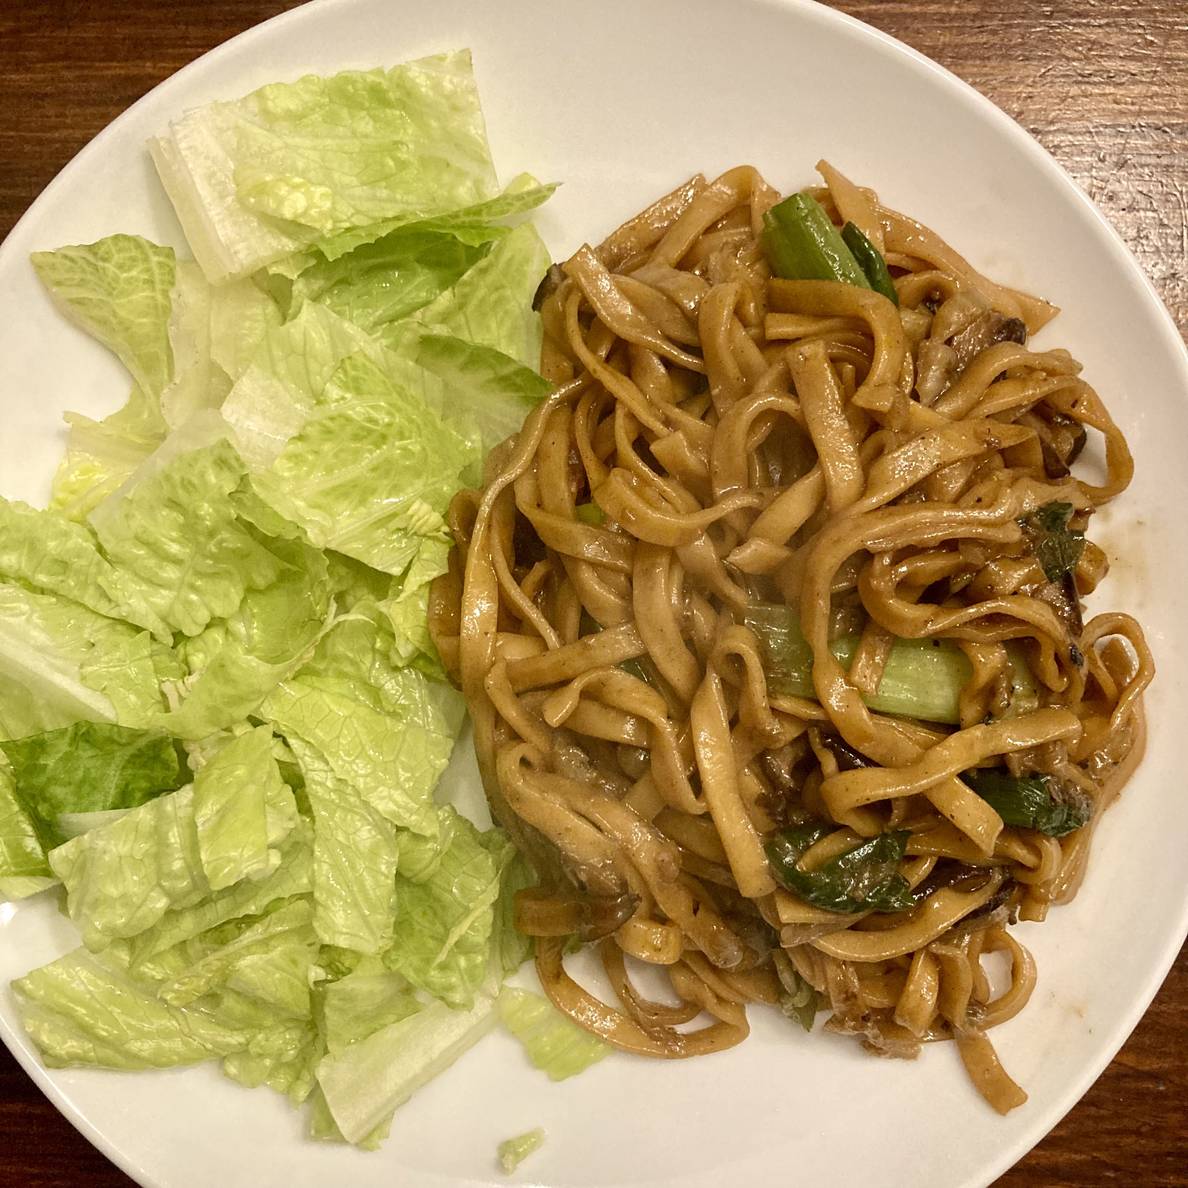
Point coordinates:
[(476, 224), (371, 471), (255, 180), (553, 1042), (176, 531), (513, 1151), (85, 1010), (364, 1084), (360, 1004), (61, 663), (22, 846), (89, 768), (483, 389), (442, 937), (243, 810), (354, 858), (214, 334), (123, 878), (119, 291), (234, 663), (100, 457), (390, 279), (247, 898), (46, 552), (278, 389), (491, 305)]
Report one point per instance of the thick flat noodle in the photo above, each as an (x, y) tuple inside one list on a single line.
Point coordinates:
[(699, 609)]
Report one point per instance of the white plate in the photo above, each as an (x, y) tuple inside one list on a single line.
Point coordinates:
[(620, 100)]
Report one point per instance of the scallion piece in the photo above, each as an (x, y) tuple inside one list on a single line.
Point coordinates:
[(803, 244), (871, 261)]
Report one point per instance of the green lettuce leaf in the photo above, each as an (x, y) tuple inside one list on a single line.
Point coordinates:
[(278, 389), (258, 179), (354, 858), (442, 937), (234, 663), (475, 224), (85, 1010), (61, 663), (176, 531), (360, 1004), (22, 849), (90, 767), (243, 810), (365, 1083), (491, 305), (123, 878), (370, 472), (119, 291), (387, 280), (553, 1042)]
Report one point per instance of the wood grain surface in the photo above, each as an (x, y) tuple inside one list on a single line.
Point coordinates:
[(1102, 84)]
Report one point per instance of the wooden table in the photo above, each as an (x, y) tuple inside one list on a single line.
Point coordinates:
[(1103, 84)]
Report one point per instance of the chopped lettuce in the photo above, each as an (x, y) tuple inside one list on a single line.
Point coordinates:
[(513, 1151), (255, 180), (370, 472), (554, 1043), (443, 928), (236, 570), (22, 848), (61, 663), (90, 767), (119, 291), (366, 1082), (177, 532)]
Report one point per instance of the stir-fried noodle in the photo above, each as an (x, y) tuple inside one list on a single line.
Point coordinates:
[(771, 614)]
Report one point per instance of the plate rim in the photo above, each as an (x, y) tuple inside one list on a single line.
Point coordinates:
[(1123, 1026)]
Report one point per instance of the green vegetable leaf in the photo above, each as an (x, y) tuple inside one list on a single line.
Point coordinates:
[(177, 532), (118, 290), (862, 879), (1039, 802), (442, 936), (553, 1042), (1057, 547), (371, 470), (90, 767), (61, 663), (362, 1003), (22, 851), (513, 1151), (243, 810), (367, 1081), (491, 304), (255, 180)]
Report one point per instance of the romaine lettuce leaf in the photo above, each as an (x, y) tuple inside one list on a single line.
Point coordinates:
[(491, 305), (176, 531), (61, 663), (84, 1009), (354, 858), (553, 1042), (358, 1005), (235, 662), (370, 472), (255, 180), (90, 767), (22, 852), (365, 1083), (119, 291), (442, 937), (243, 810)]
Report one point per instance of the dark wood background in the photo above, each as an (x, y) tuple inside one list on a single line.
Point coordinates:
[(1103, 85)]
